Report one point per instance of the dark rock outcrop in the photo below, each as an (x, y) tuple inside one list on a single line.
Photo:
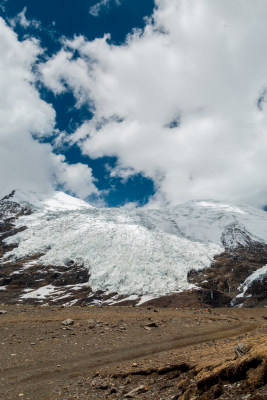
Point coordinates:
[(221, 282)]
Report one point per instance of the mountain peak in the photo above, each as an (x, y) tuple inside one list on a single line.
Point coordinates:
[(49, 201)]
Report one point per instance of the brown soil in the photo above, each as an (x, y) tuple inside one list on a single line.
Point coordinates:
[(109, 351)]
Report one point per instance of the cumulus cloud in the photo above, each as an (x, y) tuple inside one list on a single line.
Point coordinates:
[(102, 4), (75, 178), (25, 119), (182, 101)]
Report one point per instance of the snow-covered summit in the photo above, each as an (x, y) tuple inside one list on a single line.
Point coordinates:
[(46, 201), (220, 222), (141, 252)]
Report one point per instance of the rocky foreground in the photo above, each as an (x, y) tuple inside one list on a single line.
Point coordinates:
[(56, 353)]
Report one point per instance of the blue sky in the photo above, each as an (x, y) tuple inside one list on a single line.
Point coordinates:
[(133, 102), (63, 19)]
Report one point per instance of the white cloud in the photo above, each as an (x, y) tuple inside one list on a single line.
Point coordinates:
[(3, 5), (203, 61), (22, 20), (24, 161), (76, 178), (99, 6), (61, 71)]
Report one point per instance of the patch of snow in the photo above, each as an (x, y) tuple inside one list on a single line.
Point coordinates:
[(41, 293), (70, 303), (65, 296), (79, 286), (132, 297), (112, 300), (144, 299), (257, 275), (97, 302), (2, 287)]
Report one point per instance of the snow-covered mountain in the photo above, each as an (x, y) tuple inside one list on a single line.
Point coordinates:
[(135, 253)]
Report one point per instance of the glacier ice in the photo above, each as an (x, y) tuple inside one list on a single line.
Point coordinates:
[(140, 252)]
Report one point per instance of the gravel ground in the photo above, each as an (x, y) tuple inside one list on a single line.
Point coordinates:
[(108, 352)]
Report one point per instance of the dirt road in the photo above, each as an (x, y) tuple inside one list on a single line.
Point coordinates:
[(41, 358)]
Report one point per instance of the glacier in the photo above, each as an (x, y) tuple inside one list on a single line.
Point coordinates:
[(143, 252)]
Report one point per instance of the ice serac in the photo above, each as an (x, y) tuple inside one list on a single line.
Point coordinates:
[(142, 252)]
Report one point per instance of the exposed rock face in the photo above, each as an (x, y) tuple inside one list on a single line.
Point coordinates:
[(9, 212), (233, 237), (258, 292), (220, 283)]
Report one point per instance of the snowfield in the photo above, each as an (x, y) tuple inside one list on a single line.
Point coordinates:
[(139, 252)]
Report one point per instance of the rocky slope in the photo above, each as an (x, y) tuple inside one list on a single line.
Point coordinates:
[(236, 277), (58, 249)]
